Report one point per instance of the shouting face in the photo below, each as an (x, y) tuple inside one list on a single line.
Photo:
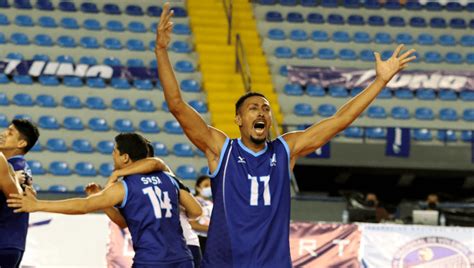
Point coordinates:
[(254, 119)]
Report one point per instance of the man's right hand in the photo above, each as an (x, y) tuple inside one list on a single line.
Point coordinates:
[(92, 188), (164, 28)]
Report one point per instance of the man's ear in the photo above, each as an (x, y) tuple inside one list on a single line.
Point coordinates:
[(125, 158), (238, 120), (22, 144)]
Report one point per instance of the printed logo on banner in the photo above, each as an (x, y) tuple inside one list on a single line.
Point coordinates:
[(433, 251), (322, 152), (398, 142)]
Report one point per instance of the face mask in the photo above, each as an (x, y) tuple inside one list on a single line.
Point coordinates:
[(206, 192), (371, 203), (432, 205)]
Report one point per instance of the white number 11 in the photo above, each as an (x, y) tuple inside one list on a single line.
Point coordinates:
[(254, 190)]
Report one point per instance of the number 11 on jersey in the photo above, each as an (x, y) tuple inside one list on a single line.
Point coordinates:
[(254, 190)]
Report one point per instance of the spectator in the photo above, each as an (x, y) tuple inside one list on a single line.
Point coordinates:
[(204, 197)]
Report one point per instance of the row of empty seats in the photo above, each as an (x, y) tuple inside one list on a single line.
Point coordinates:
[(92, 8), (422, 134), (70, 23), (406, 38), (373, 20), (397, 112), (374, 4), (337, 91)]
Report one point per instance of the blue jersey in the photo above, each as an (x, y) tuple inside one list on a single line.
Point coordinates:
[(13, 226), (251, 215), (151, 210)]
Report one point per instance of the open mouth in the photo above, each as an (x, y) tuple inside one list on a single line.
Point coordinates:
[(259, 127)]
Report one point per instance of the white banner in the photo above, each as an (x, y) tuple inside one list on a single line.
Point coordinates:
[(56, 240), (416, 246)]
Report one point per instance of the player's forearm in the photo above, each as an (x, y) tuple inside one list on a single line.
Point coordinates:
[(115, 216), (73, 206), (143, 166), (199, 227), (168, 80)]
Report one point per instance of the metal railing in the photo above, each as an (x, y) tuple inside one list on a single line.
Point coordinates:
[(242, 64), (228, 7)]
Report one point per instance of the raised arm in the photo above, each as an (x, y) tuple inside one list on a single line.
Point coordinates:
[(206, 138), (190, 204), (8, 182), (107, 198), (112, 212), (304, 142), (142, 166)]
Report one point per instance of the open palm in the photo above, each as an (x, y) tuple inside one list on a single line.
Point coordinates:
[(164, 28), (385, 70)]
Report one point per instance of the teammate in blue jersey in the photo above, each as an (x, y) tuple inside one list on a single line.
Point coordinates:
[(149, 204), (15, 142), (250, 175)]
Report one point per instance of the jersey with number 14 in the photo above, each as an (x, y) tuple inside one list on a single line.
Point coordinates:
[(251, 214)]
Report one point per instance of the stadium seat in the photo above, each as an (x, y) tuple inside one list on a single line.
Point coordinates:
[(114, 26), (106, 169), (145, 105), (376, 133), (136, 27), (294, 17), (105, 147), (112, 43), (183, 150), (187, 172), (399, 112), (466, 95), (327, 54), (69, 23), (135, 45), (453, 57), (123, 125), (315, 18), (98, 124), (337, 91), (44, 5), (298, 35), (4, 19), (85, 169), (37, 147), (23, 99), (149, 126), (447, 40), (89, 42), (82, 146), (44, 100), (92, 25), (89, 60), (361, 37), (453, 6), (335, 19), (160, 149), (36, 167), (3, 39), (4, 79), (377, 112), (424, 113), (154, 11), (73, 123), (3, 99), (404, 38), (89, 7), (267, 2), (80, 189), (425, 94), (121, 104), (181, 29), (319, 36), (308, 3), (23, 116), (48, 122), (190, 85), (433, 6), (347, 54), (293, 90), (111, 9), (433, 57), (40, 57), (418, 22), (326, 110), (446, 135), (457, 23), (383, 38), (341, 36), (315, 90), (43, 40), (354, 132), (438, 22), (448, 114), (352, 3), (134, 10), (135, 63), (304, 53), (56, 145), (65, 59), (396, 21), (173, 127), (467, 40), (95, 103), (470, 7), (468, 115), (95, 82), (58, 188), (120, 83), (19, 39), (376, 20), (422, 135), (328, 3), (470, 58), (71, 102), (143, 84), (303, 109), (199, 106), (66, 41), (180, 47), (24, 21), (426, 39), (355, 20), (283, 52), (367, 55), (273, 16), (67, 6), (447, 95), (276, 34), (22, 79), (14, 56), (184, 66)]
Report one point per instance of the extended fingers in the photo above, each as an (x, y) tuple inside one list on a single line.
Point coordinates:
[(407, 60), (407, 54), (397, 50)]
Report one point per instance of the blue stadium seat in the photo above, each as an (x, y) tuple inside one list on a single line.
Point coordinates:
[(424, 113), (73, 123), (367, 55), (468, 115), (106, 169), (36, 167), (453, 57), (293, 90), (393, 5), (355, 20), (372, 4), (327, 54), (471, 23), (133, 62), (98, 124), (95, 82), (187, 172), (466, 95), (15, 56), (56, 145), (43, 40), (396, 21), (149, 126), (37, 147), (199, 106), (3, 40), (308, 3), (470, 58), (23, 99), (89, 42), (337, 91), (276, 34), (467, 135), (82, 146), (123, 125), (40, 57), (283, 52), (319, 36), (383, 38), (145, 105), (23, 79), (404, 38), (438, 22), (425, 94), (66, 41), (44, 5), (326, 110), (65, 59), (426, 39), (58, 188), (151, 45), (69, 23), (136, 27), (298, 35), (328, 3), (418, 22), (183, 150), (433, 6), (48, 80), (4, 79), (120, 83), (341, 36), (173, 127), (180, 47), (447, 40), (4, 19), (315, 90), (85, 169), (354, 132), (422, 135), (457, 23), (294, 17), (160, 149), (80, 189), (304, 53), (181, 29), (453, 6), (114, 26), (112, 43), (67, 6), (4, 122), (470, 7), (376, 20), (184, 66), (386, 54), (24, 21), (154, 11), (143, 84), (361, 37), (95, 103), (433, 57), (19, 39), (335, 19), (4, 4), (89, 60), (3, 99), (283, 70), (105, 147), (375, 133), (164, 106), (23, 116), (446, 135), (134, 10), (121, 104), (111, 9), (376, 111), (315, 18), (447, 95), (48, 122), (352, 3), (92, 25), (267, 2), (273, 16), (190, 85), (467, 40), (71, 102), (400, 112), (347, 54), (448, 114), (89, 7), (356, 90), (204, 170)]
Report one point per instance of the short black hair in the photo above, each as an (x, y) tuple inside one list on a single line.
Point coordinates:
[(151, 150), (28, 131), (133, 144), (199, 181), (247, 95)]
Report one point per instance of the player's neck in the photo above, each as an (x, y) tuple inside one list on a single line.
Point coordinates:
[(11, 153), (254, 147)]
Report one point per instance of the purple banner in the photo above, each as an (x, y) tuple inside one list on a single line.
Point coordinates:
[(350, 78)]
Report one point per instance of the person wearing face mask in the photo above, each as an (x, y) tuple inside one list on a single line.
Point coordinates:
[(432, 202), (204, 197)]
